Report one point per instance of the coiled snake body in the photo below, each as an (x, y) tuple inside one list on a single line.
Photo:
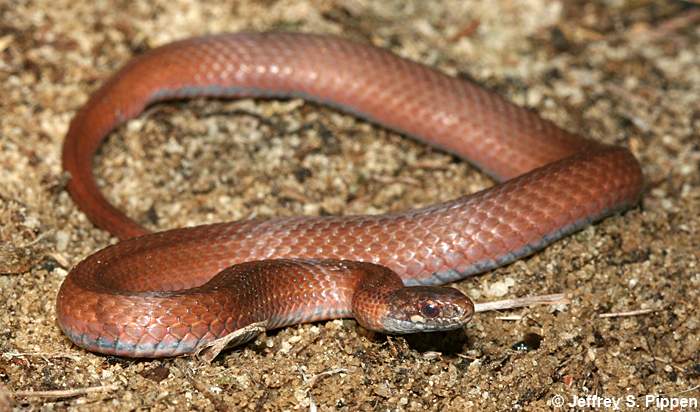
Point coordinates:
[(153, 294)]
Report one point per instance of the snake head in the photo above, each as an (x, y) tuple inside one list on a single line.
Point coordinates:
[(427, 309)]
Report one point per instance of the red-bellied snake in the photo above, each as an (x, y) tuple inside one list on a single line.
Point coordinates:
[(153, 294)]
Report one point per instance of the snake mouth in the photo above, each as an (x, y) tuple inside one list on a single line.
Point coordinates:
[(402, 327)]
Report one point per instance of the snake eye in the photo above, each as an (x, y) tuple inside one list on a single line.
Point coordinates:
[(429, 309)]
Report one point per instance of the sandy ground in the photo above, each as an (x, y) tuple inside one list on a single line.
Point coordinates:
[(624, 72)]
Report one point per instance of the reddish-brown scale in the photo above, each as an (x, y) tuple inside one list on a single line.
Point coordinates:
[(553, 182)]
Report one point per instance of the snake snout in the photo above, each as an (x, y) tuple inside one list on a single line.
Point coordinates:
[(427, 309)]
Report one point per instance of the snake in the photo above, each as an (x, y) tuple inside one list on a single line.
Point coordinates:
[(167, 293)]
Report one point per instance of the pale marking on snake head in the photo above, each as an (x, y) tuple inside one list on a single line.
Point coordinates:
[(417, 319)]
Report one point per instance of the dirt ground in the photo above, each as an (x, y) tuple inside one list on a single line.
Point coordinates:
[(623, 72)]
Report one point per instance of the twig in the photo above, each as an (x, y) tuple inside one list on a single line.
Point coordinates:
[(311, 382), (687, 390), (217, 402), (555, 299), (629, 313), (65, 393), (466, 31), (399, 179), (44, 355), (687, 19), (510, 317), (210, 350), (669, 363)]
